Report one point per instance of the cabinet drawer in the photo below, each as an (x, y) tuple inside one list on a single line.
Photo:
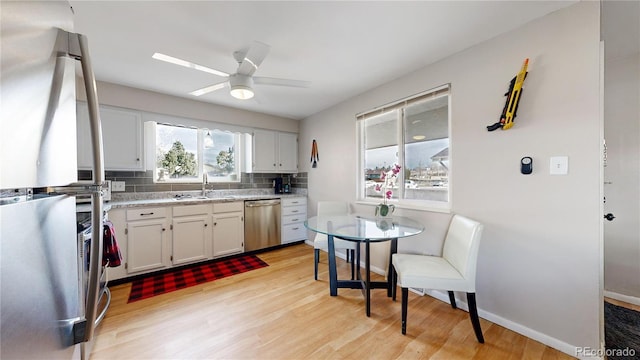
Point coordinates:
[(186, 210), (228, 207), (294, 210), (293, 232), (147, 213), (292, 219), (294, 201)]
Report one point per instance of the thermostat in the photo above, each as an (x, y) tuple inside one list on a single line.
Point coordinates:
[(526, 165)]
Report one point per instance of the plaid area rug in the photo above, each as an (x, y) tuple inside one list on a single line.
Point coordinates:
[(184, 277)]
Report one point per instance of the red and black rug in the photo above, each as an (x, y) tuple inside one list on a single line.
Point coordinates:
[(184, 277)]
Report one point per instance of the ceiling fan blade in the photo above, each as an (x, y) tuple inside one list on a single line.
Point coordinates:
[(188, 64), (209, 89), (253, 58), (280, 82)]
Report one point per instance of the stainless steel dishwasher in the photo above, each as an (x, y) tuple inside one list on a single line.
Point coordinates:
[(261, 224)]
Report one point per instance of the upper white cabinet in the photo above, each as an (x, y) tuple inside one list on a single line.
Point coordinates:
[(121, 136), (274, 151)]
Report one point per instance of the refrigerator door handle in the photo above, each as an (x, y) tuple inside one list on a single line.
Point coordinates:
[(78, 48)]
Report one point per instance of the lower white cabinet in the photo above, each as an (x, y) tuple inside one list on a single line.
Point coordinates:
[(191, 233), (228, 228), (154, 238), (294, 213), (148, 246)]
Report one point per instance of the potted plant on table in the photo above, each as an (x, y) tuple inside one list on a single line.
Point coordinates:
[(389, 179)]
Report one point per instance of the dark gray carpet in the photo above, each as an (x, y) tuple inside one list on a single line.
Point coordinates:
[(621, 331)]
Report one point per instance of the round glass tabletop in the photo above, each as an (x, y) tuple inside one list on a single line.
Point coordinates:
[(357, 227)]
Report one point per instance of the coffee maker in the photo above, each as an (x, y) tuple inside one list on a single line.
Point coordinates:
[(277, 185)]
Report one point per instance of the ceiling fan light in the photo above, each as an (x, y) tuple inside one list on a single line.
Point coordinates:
[(241, 92), (241, 86)]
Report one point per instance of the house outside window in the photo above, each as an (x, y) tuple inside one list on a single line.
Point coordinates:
[(413, 133), (184, 154)]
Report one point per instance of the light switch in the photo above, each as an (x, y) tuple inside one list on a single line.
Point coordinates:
[(559, 165)]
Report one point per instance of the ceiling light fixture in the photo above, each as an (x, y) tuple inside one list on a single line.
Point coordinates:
[(419, 137), (208, 140), (241, 86)]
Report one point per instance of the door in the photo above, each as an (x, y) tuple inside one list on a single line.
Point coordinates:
[(191, 239), (147, 245), (122, 133), (40, 279), (228, 234), (287, 152), (622, 164), (264, 151)]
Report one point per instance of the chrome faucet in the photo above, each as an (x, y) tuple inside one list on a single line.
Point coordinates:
[(205, 181)]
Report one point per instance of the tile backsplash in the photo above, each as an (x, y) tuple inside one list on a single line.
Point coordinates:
[(142, 181)]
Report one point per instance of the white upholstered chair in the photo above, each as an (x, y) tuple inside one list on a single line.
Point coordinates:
[(321, 242), (455, 270)]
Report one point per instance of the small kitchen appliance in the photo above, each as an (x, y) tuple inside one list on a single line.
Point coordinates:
[(277, 185)]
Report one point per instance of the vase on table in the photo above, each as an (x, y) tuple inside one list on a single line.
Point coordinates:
[(384, 210)]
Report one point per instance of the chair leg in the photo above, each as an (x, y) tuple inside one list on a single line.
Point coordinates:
[(405, 300), (316, 260), (394, 283), (473, 314), (347, 255), (452, 300)]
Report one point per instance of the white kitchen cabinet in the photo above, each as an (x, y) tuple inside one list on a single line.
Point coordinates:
[(228, 228), (119, 219), (294, 213), (121, 134), (274, 151), (191, 233), (148, 242)]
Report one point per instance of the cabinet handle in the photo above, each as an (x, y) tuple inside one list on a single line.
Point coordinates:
[(146, 214), (295, 219), (205, 225), (295, 228), (137, 159), (294, 211), (215, 223), (163, 229)]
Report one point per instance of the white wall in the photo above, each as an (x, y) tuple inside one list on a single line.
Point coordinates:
[(539, 266), (138, 99)]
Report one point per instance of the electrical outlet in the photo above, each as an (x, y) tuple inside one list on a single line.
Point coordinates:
[(117, 186)]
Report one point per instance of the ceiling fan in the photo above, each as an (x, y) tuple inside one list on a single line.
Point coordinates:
[(242, 81)]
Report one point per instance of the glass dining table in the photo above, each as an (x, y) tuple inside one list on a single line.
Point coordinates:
[(367, 230)]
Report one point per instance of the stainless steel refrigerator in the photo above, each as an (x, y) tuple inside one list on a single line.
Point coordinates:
[(44, 313)]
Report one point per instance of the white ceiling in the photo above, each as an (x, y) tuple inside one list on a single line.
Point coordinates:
[(343, 48)]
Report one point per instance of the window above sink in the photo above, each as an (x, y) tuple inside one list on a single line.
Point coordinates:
[(183, 154)]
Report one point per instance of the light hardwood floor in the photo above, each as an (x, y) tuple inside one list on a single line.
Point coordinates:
[(280, 312)]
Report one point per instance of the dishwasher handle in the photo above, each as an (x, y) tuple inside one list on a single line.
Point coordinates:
[(261, 203)]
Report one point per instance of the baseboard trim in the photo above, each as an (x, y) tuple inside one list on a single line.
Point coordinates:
[(621, 297)]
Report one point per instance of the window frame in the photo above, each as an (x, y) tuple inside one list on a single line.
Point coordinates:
[(399, 107), (238, 151)]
